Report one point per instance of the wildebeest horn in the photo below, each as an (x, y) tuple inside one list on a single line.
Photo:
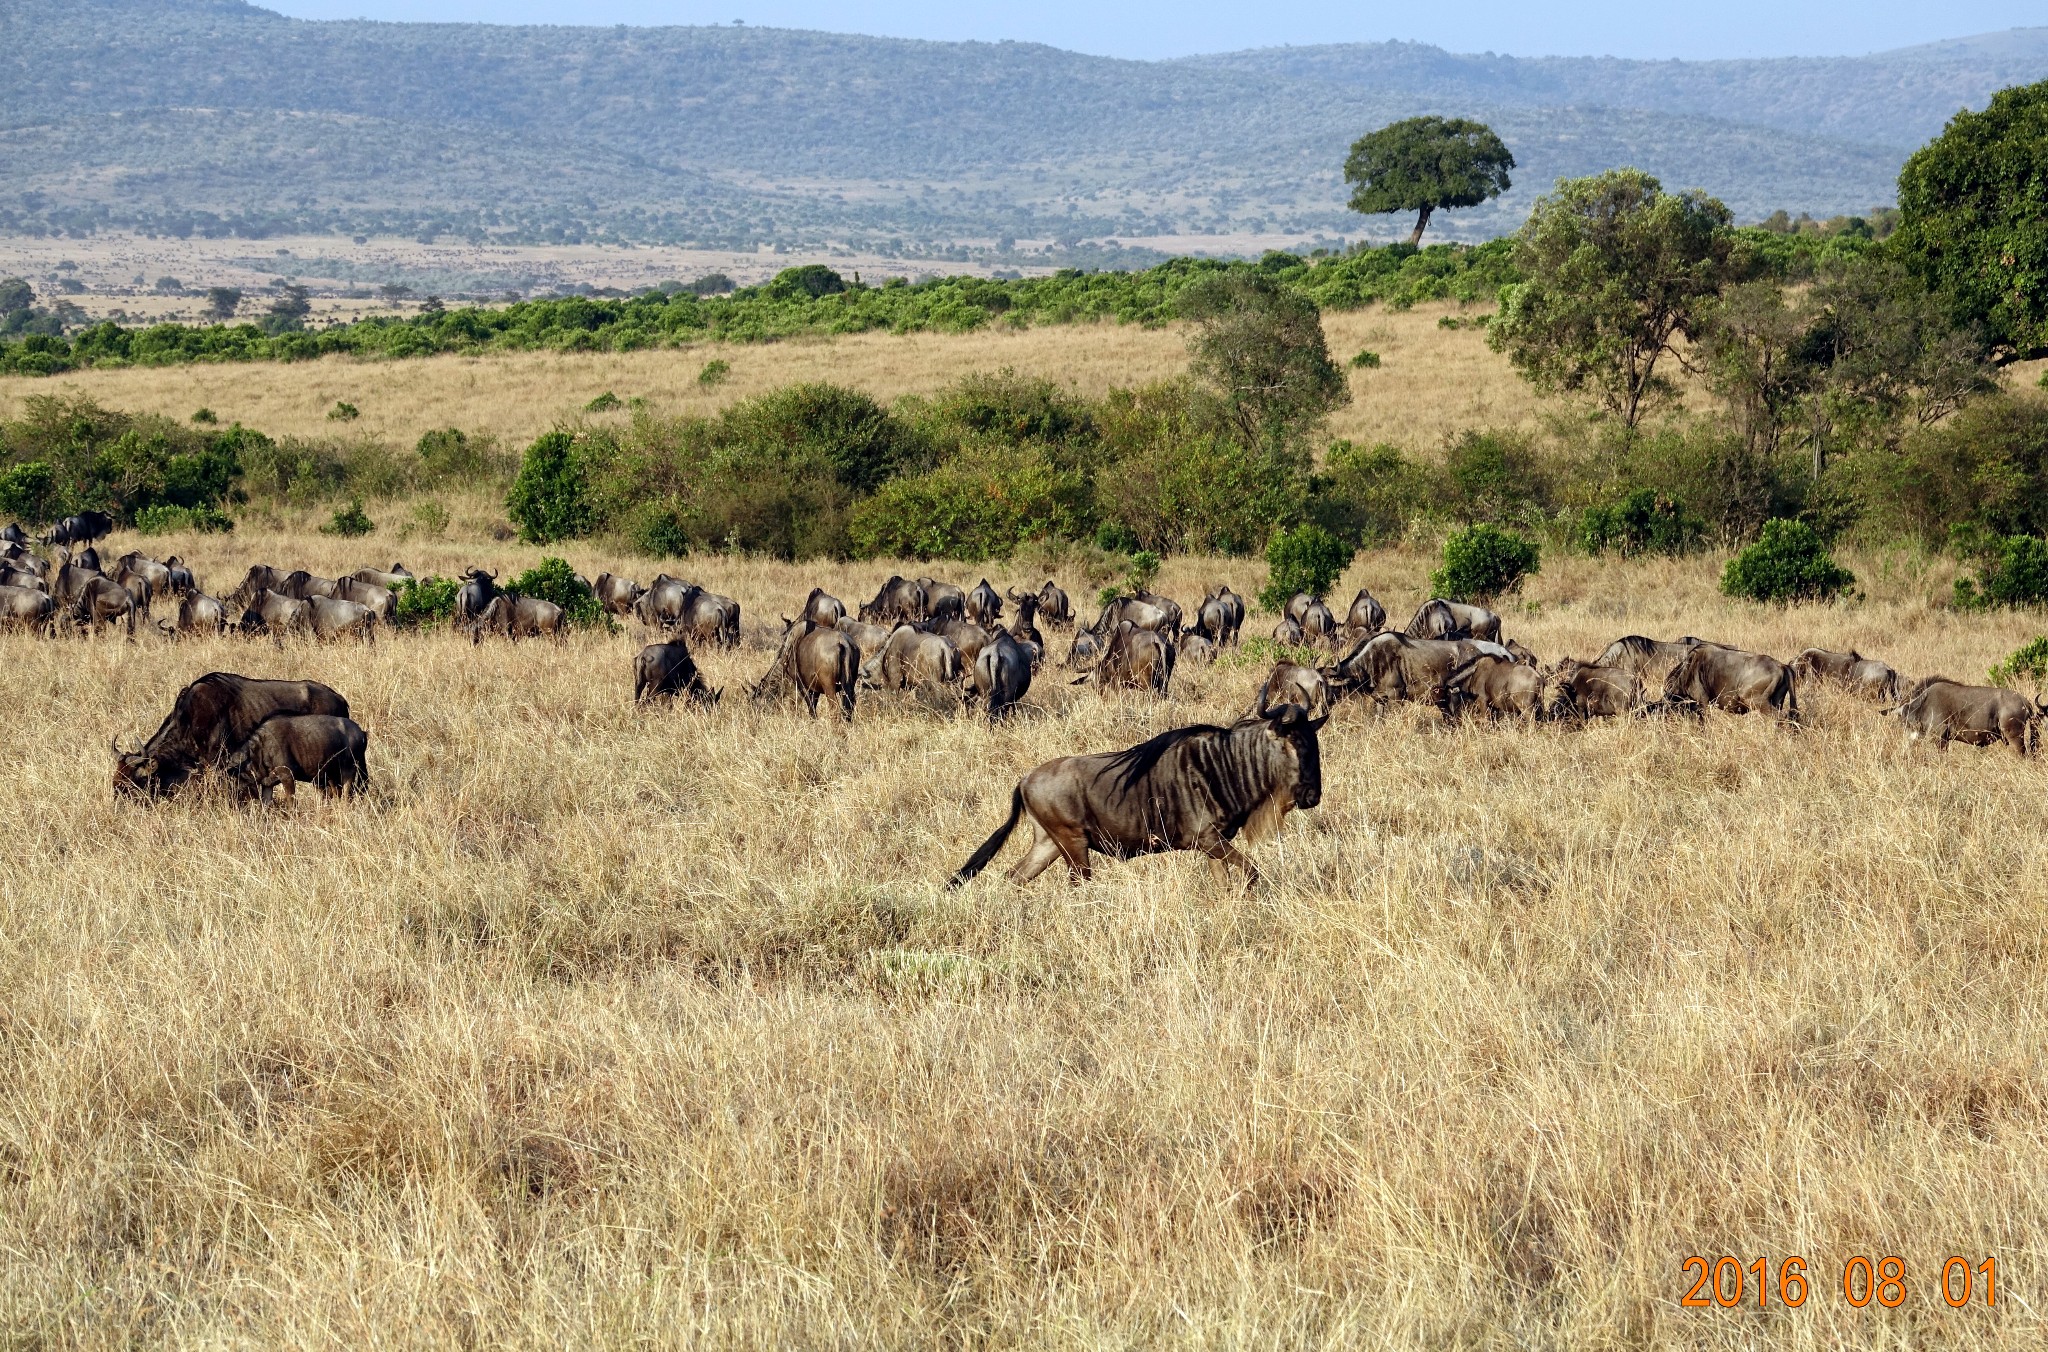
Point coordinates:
[(1265, 706)]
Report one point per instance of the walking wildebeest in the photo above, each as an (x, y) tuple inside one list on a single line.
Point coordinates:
[(1391, 666), (103, 601), (1582, 690), (1981, 715), (813, 662), (969, 637), (1500, 687), (325, 750), (26, 608), (1140, 613), (1192, 788), (1441, 619), (198, 613), (1212, 621), (1002, 674), (379, 601), (704, 617), (1652, 659), (1053, 606), (913, 657), (22, 577), (666, 670), (1134, 659), (519, 617), (81, 529), (984, 607), (1864, 676), (273, 614), (1737, 681), (211, 717)]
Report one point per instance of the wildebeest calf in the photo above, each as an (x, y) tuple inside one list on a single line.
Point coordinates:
[(665, 670), (318, 749)]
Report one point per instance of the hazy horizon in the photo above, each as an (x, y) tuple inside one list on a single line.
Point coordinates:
[(1741, 29)]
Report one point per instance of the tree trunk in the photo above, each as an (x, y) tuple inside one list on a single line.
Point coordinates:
[(1421, 224)]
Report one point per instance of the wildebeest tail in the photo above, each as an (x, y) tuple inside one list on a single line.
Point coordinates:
[(993, 846)]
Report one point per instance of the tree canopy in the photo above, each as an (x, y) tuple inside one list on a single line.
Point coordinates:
[(1615, 269), (1974, 218), (1421, 164), (1259, 346)]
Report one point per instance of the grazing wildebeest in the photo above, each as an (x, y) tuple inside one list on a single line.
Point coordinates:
[(378, 577), (913, 657), (26, 562), (1652, 659), (137, 589), (1294, 683), (984, 606), (1582, 690), (1318, 624), (81, 529), (969, 637), (821, 607), (13, 534), (198, 613), (704, 617), (942, 601), (324, 750), (1737, 681), (867, 638), (899, 601), (1196, 647), (616, 594), (1167, 606), (1391, 666), (1191, 788), (69, 583), (1499, 687), (1365, 618), (103, 601), (661, 603), (332, 620), (301, 585), (1297, 606), (1002, 674), (1212, 622), (1865, 676), (1134, 659), (211, 717), (273, 614), (1441, 619), (1288, 632), (182, 581), (371, 597), (478, 590), (26, 608), (666, 670), (1981, 715), (519, 617), (1525, 655), (261, 578), (1085, 651), (813, 662), (155, 576), (1053, 606)]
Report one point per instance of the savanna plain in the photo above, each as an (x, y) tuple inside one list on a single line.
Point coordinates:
[(593, 1025)]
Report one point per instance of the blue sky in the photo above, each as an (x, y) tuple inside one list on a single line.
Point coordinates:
[(1144, 28)]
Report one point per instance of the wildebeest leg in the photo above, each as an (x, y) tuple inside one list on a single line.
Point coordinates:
[(811, 698), (1044, 850), (1223, 852)]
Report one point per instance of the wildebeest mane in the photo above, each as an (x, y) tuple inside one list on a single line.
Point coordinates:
[(1134, 764)]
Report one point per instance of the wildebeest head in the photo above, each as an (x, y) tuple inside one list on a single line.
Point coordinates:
[(138, 774), (1294, 736)]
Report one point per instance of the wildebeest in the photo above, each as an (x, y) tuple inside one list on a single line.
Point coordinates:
[(899, 601), (1865, 676), (371, 597), (1134, 659), (327, 751), (331, 620), (13, 534), (182, 581), (378, 577), (273, 614), (1233, 613), (942, 601), (1196, 647), (1582, 690), (1294, 683), (1441, 619), (1023, 623), (1733, 680), (616, 594), (1167, 606), (89, 559), (1085, 651), (81, 529), (1652, 659), (155, 576), (1194, 788), (814, 662), (1288, 632), (210, 718), (301, 585), (519, 617), (1391, 666), (1318, 624), (914, 657), (1212, 621), (867, 638), (26, 608), (198, 613), (103, 601), (1053, 606), (1297, 606), (666, 670), (821, 607), (1497, 686), (1521, 653), (21, 577), (1366, 616), (478, 590), (984, 606), (1978, 714), (260, 578), (1002, 674), (969, 637), (1140, 613)]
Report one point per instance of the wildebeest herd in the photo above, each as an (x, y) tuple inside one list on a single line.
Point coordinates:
[(1193, 788)]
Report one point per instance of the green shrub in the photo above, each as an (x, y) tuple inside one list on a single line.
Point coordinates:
[(977, 506), (166, 519), (1484, 561), (205, 415), (429, 518), (550, 500), (1366, 360), (863, 442), (1641, 523), (715, 372), (2013, 571), (1306, 559), (28, 491), (1494, 476), (554, 580), (2028, 662), (349, 521), (808, 282), (657, 529), (1368, 495), (1789, 562), (343, 412), (604, 403), (424, 600), (1116, 537)]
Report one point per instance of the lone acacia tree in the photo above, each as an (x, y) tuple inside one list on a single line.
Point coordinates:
[(1423, 163)]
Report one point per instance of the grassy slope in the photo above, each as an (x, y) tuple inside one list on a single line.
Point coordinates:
[(593, 1026)]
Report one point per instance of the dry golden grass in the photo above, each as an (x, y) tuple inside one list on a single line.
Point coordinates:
[(594, 1027), (1435, 382)]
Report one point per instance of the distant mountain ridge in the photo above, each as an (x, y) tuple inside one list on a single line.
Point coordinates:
[(217, 115)]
